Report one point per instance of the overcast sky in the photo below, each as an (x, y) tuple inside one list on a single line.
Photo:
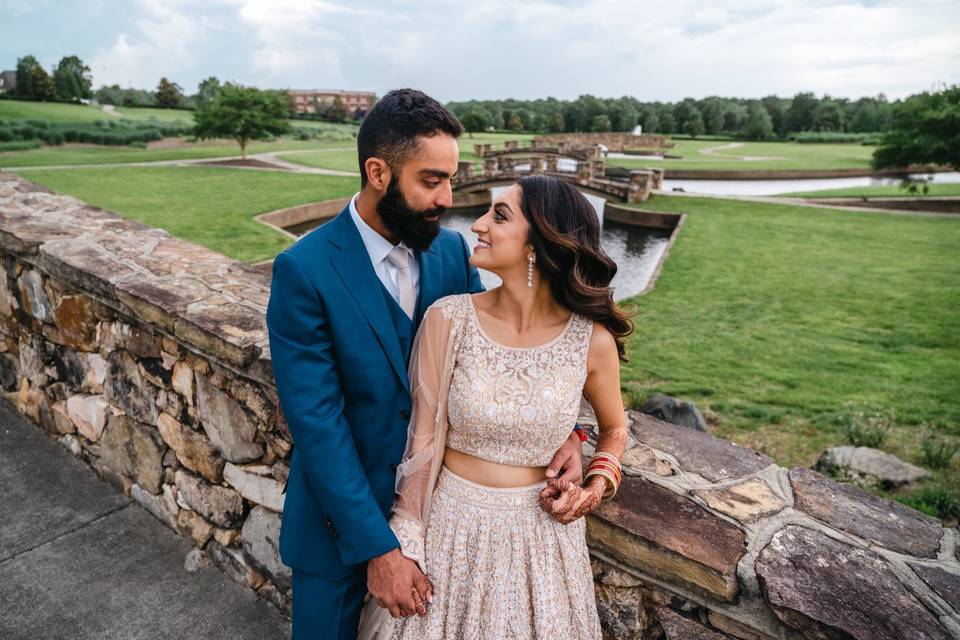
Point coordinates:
[(654, 49)]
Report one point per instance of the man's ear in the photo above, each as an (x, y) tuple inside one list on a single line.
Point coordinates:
[(378, 173)]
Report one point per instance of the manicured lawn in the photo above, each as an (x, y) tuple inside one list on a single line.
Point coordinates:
[(892, 190), (61, 112), (779, 155), (89, 154), (771, 317), (210, 206)]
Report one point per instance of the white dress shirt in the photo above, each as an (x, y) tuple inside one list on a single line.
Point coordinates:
[(377, 248)]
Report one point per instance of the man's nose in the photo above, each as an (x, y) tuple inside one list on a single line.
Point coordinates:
[(445, 197)]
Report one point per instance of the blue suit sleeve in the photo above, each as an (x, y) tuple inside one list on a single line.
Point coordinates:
[(308, 383), (473, 275)]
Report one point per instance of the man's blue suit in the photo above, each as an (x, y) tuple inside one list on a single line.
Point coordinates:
[(341, 374)]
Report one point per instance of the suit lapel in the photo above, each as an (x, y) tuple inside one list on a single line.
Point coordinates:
[(430, 282), (352, 264)]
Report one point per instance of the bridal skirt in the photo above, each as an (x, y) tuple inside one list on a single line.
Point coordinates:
[(502, 568)]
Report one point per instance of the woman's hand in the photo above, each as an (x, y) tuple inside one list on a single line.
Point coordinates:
[(574, 501)]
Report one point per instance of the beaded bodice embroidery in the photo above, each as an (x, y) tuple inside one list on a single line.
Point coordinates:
[(515, 405)]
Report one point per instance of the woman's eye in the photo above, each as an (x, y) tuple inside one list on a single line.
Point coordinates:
[(498, 216)]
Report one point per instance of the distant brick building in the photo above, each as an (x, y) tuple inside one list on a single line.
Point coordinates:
[(357, 103), (8, 81)]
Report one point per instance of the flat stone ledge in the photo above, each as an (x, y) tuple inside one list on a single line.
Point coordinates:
[(655, 529), (697, 452), (887, 523), (828, 589)]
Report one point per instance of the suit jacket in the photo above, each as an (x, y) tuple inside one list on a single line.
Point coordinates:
[(341, 375)]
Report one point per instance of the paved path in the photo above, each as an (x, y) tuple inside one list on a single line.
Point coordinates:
[(80, 560)]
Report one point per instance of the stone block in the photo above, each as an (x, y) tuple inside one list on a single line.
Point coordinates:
[(885, 522), (745, 502), (127, 389), (220, 505), (226, 423), (697, 452), (261, 538), (664, 534), (678, 627), (828, 589), (89, 414), (256, 488), (129, 448), (193, 449)]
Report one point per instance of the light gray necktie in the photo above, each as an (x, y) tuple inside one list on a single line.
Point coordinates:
[(400, 258)]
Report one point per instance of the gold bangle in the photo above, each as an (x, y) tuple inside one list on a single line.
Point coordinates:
[(611, 482), (608, 456)]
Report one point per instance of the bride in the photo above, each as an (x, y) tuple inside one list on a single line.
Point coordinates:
[(496, 380)]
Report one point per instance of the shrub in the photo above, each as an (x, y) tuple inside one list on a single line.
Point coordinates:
[(20, 145), (864, 428), (937, 451)]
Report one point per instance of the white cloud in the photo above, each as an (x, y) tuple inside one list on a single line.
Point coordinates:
[(655, 50)]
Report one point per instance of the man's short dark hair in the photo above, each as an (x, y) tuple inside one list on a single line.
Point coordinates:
[(391, 128)]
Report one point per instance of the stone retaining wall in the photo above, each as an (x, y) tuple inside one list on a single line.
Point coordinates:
[(614, 141), (147, 357)]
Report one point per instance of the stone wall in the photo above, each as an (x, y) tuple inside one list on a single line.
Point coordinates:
[(147, 357)]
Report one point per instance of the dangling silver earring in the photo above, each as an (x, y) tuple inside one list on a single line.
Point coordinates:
[(530, 271)]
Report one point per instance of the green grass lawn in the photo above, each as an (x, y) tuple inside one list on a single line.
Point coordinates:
[(883, 190), (92, 155), (771, 317), (62, 112), (781, 155), (210, 206)]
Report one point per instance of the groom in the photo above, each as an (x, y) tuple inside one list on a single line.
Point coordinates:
[(345, 304)]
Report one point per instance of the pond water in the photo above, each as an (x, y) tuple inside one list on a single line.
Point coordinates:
[(778, 187), (635, 250)]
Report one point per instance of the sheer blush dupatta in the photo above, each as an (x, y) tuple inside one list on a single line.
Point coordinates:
[(431, 367)]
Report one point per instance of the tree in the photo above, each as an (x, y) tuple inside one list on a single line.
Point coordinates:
[(25, 67), (694, 126), (337, 111), (828, 116), (557, 125), (474, 121), (514, 123), (601, 122), (207, 90), (713, 115), (72, 80), (800, 112), (41, 85), (243, 114), (169, 94), (925, 130), (759, 125)]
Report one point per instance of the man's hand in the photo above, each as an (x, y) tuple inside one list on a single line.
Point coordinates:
[(567, 464), (574, 501), (397, 584)]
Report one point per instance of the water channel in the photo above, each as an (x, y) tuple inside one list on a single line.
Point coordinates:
[(779, 187)]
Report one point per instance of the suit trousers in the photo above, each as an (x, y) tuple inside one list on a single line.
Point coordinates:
[(327, 609)]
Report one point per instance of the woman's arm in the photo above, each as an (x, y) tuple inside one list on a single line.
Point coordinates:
[(602, 390)]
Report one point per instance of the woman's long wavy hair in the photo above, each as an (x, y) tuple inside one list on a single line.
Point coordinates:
[(565, 233)]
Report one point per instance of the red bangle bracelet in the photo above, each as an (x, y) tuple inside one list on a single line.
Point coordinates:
[(580, 433)]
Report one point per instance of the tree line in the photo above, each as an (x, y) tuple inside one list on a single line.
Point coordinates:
[(757, 119)]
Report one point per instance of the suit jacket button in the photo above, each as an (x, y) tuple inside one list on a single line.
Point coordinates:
[(404, 414)]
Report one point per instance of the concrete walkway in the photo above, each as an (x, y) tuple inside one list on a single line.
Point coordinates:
[(80, 560)]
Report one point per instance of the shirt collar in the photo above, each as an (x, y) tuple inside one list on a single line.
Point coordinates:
[(377, 246)]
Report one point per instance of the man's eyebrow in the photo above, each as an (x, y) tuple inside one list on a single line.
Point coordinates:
[(440, 173), (504, 209)]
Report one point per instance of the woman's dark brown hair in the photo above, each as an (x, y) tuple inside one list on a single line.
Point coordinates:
[(565, 233)]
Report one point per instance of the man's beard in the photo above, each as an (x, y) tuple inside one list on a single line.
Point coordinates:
[(405, 224)]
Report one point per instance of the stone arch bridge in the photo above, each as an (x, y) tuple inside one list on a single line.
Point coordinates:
[(582, 166)]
